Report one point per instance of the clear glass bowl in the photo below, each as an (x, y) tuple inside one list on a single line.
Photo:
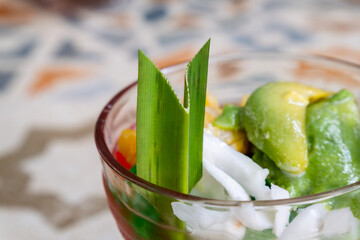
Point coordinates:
[(230, 77)]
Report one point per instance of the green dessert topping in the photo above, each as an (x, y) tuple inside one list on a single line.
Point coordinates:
[(333, 135), (274, 121), (230, 118)]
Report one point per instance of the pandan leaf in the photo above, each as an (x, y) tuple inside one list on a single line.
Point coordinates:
[(169, 135), (195, 90), (162, 130), (230, 118)]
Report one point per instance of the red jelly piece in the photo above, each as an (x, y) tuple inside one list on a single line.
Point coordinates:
[(122, 160)]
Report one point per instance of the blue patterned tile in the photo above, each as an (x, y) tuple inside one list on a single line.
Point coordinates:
[(68, 50), (297, 36), (245, 40), (5, 79), (23, 50), (155, 13)]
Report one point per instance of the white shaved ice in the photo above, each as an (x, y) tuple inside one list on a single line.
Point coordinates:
[(209, 224), (306, 225), (228, 174), (234, 189), (240, 178), (282, 212), (237, 165), (317, 222), (340, 221), (252, 218)]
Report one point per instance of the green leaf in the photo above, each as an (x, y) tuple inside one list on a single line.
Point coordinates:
[(161, 130), (195, 90), (169, 135), (230, 118)]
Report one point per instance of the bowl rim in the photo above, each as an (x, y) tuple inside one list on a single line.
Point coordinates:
[(109, 159)]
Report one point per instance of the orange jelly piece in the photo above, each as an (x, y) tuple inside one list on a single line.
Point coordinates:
[(127, 145)]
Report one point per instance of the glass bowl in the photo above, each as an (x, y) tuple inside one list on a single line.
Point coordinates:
[(230, 77)]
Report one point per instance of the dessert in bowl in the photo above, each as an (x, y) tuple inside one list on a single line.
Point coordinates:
[(243, 193)]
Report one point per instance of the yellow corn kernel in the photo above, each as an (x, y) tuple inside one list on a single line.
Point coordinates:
[(306, 96), (234, 138), (319, 95), (240, 142), (127, 145)]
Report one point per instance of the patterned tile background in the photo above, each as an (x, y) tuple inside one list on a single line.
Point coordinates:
[(60, 62)]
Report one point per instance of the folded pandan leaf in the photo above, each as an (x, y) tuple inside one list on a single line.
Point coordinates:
[(170, 135)]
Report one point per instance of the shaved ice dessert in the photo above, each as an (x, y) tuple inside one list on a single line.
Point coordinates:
[(282, 161)]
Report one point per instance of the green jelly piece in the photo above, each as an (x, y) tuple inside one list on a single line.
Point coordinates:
[(259, 235), (296, 186), (333, 134), (230, 118), (274, 120)]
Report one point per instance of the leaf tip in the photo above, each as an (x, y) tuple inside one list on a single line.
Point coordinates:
[(141, 55)]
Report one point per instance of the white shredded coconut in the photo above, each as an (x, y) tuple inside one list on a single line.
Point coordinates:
[(235, 174)]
